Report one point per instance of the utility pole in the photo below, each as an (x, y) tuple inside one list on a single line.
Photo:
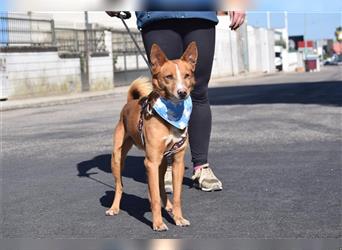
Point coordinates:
[(85, 67), (286, 20), (268, 19), (287, 30), (305, 49)]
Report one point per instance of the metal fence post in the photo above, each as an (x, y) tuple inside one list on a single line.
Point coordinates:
[(30, 23), (53, 33), (77, 49), (85, 78)]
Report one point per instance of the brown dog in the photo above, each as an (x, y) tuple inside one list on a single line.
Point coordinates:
[(174, 80)]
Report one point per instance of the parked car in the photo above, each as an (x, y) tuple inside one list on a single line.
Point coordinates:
[(278, 60), (334, 60)]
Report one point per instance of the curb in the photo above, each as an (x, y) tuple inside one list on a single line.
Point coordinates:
[(221, 81), (40, 102)]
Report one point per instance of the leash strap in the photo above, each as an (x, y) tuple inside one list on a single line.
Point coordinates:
[(144, 105), (177, 146)]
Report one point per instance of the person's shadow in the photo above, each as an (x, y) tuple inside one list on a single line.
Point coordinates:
[(134, 168)]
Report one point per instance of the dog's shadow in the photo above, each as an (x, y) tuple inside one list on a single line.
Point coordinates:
[(134, 169), (135, 206)]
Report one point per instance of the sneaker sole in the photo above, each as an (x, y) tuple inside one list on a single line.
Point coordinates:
[(217, 188), (168, 190), (211, 189)]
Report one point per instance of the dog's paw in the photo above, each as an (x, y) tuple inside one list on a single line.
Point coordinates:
[(182, 222), (112, 211), (160, 227)]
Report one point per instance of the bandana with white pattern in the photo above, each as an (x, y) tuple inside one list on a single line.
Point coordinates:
[(177, 114)]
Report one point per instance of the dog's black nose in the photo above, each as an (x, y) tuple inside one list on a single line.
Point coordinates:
[(182, 94)]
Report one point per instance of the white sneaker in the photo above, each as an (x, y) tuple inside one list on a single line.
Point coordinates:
[(205, 179), (168, 180)]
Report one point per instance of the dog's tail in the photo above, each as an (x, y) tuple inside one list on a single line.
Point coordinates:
[(139, 88)]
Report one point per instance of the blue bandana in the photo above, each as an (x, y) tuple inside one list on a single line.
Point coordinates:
[(177, 115)]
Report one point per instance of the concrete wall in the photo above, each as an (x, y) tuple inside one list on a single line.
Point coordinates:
[(101, 73), (4, 86), (225, 59), (261, 52), (267, 50), (101, 68), (234, 54), (253, 51), (39, 73), (292, 60)]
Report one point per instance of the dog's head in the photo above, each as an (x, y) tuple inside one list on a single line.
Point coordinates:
[(174, 79)]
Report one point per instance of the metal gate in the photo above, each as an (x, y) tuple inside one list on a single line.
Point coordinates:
[(128, 63)]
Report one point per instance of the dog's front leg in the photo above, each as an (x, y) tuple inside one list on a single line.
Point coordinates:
[(165, 200), (177, 179), (152, 163)]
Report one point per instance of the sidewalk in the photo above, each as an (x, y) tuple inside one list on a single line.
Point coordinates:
[(78, 97)]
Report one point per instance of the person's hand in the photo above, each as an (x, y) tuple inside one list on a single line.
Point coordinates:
[(119, 14), (112, 13), (237, 18)]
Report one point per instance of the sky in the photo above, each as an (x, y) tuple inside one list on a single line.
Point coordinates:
[(317, 18), (315, 25), (299, 5)]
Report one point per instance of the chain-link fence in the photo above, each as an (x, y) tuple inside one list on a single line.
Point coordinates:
[(125, 54), (99, 52), (37, 33), (16, 31), (73, 40), (123, 44)]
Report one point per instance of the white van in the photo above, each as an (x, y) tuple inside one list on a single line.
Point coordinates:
[(278, 59)]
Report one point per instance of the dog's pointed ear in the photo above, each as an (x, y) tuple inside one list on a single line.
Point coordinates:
[(190, 55), (157, 57)]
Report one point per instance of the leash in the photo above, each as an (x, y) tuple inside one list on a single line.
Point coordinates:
[(126, 15), (177, 146)]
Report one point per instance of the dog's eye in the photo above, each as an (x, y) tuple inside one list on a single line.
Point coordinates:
[(169, 77), (187, 76)]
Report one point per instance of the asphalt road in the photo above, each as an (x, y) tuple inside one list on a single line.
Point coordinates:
[(276, 146)]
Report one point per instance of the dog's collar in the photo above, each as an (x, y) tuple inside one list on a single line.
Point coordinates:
[(177, 114)]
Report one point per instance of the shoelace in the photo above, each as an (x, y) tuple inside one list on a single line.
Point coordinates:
[(204, 171), (208, 172)]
